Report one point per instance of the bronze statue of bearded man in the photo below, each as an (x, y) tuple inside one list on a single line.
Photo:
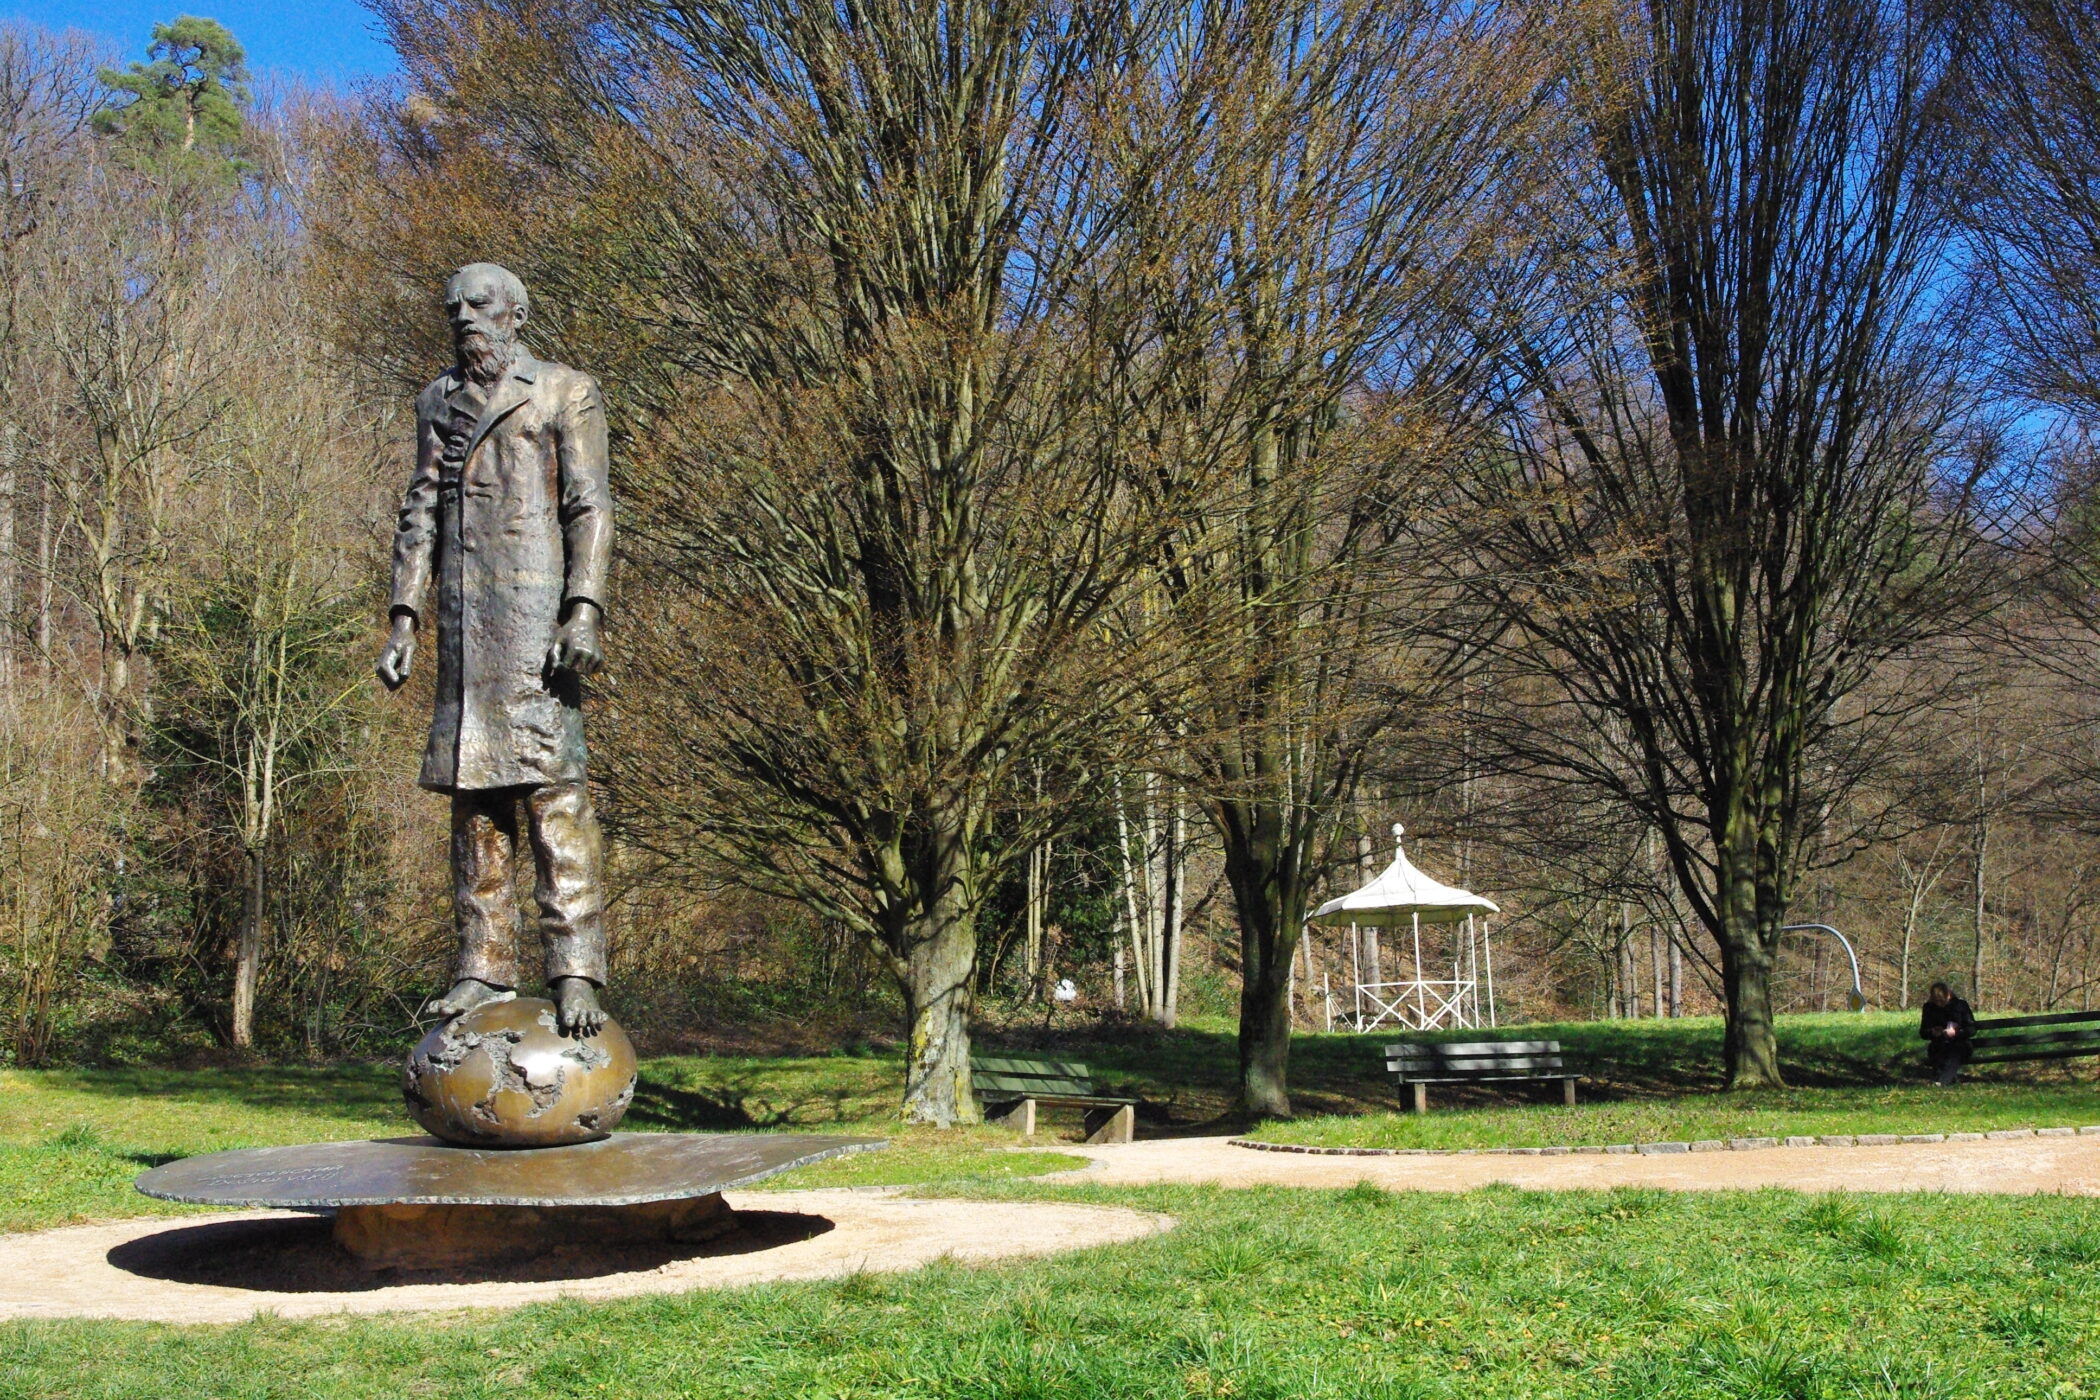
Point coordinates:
[(509, 516)]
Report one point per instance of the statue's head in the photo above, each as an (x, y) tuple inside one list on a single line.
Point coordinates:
[(487, 306)]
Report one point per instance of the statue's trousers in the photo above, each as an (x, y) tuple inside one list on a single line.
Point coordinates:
[(568, 857)]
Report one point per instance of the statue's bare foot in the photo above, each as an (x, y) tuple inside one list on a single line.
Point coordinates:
[(466, 994), (576, 1006)]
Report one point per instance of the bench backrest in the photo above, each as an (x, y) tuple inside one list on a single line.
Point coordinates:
[(2058, 1035), (1478, 1059), (1022, 1076)]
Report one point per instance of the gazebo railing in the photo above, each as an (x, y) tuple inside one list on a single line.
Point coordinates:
[(1417, 1005)]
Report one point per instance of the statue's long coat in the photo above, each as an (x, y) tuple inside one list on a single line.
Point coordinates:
[(522, 532)]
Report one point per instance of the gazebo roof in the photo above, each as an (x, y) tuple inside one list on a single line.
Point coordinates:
[(1400, 896)]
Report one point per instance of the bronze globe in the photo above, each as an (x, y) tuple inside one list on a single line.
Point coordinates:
[(503, 1075)]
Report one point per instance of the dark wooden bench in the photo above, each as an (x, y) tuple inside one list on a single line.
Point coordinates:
[(1010, 1086), (2017, 1037), (1417, 1066)]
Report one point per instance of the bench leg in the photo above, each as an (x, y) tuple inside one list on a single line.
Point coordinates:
[(1021, 1118), (1111, 1125), (1567, 1092), (1421, 1095)]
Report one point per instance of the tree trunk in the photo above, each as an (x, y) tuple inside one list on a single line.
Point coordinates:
[(1752, 1045), (10, 455), (44, 576), (1038, 891), (1918, 889), (1749, 939), (1270, 909), (1910, 928), (247, 963), (1032, 945), (2056, 963), (1265, 1034), (1152, 980), (116, 719), (1674, 931), (1177, 880), (931, 939), (937, 1007), (1655, 968), (1983, 845), (1629, 972), (1363, 952), (1676, 975), (1136, 920)]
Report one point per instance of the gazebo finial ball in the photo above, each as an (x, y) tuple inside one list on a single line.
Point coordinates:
[(1399, 830)]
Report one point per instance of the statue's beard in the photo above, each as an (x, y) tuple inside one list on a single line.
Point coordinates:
[(485, 358)]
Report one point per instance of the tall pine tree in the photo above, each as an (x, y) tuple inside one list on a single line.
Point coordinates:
[(184, 113)]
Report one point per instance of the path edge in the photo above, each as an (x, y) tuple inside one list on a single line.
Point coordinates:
[(1657, 1149)]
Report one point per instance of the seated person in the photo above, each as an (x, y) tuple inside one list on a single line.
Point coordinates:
[(1949, 1029)]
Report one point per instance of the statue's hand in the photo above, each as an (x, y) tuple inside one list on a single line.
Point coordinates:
[(576, 643), (399, 653)]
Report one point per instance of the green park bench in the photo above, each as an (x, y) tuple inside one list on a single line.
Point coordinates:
[(1010, 1086), (1417, 1066), (2015, 1037)]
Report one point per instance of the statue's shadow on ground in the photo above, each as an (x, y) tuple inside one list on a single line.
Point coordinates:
[(299, 1256)]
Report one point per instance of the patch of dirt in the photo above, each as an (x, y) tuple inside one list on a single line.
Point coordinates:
[(2018, 1166), (279, 1254), (229, 1268)]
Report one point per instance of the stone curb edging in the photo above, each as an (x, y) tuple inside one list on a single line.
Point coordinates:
[(1657, 1149)]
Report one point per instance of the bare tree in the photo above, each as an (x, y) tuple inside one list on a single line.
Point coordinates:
[(2030, 116), (58, 837), (1152, 872), (1734, 481), (873, 480), (130, 314), (2030, 108), (1338, 170), (255, 658), (48, 94), (1919, 875)]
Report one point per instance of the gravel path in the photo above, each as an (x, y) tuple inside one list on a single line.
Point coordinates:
[(2023, 1166), (227, 1268)]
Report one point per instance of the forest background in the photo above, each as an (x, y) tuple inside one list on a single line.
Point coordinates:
[(1083, 476)]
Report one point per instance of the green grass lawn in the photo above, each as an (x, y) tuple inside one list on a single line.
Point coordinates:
[(71, 1141), (1855, 1074), (1784, 1113), (1269, 1294), (1187, 1076), (1264, 1293)]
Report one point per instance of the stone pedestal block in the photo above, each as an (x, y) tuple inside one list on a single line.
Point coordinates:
[(469, 1236)]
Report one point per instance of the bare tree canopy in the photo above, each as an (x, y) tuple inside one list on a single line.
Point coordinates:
[(1737, 471), (1335, 178), (1085, 472)]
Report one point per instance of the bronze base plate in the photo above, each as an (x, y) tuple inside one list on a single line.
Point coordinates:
[(622, 1170)]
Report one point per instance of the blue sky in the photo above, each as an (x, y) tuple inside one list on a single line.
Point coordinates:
[(324, 40)]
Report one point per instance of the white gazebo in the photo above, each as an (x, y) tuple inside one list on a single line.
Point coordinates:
[(1404, 898)]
